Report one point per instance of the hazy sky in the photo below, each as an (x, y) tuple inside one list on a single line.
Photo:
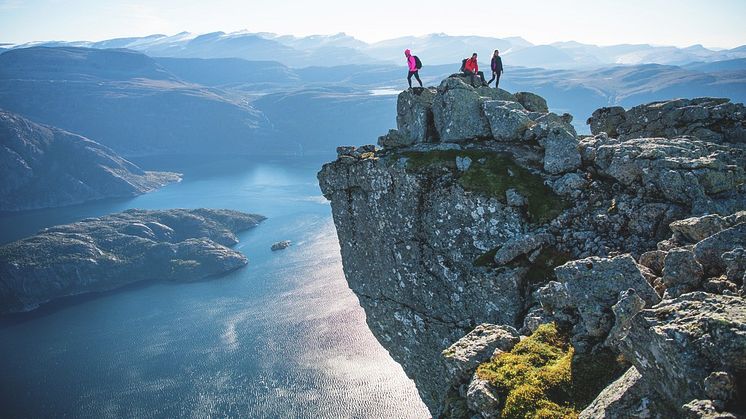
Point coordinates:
[(713, 23)]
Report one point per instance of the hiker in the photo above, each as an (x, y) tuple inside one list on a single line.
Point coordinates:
[(497, 68), (414, 65), (471, 68)]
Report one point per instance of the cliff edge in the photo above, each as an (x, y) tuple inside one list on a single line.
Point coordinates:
[(484, 216)]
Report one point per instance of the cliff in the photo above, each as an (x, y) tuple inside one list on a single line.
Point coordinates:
[(42, 166), (480, 204), (100, 254)]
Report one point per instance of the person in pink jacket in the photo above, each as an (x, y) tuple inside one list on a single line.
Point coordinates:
[(413, 70)]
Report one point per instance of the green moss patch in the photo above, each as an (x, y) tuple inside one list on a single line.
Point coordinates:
[(543, 378), (492, 174)]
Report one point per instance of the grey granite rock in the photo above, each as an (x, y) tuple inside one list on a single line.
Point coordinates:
[(709, 119), (654, 260), (520, 245), (395, 138), (686, 171), (626, 398), (735, 264), (414, 115), (720, 385), (704, 409), (593, 286), (532, 102), (483, 398), (477, 346), (100, 254), (710, 250), (681, 272), (507, 120), (457, 112), (624, 310), (677, 344), (561, 153)]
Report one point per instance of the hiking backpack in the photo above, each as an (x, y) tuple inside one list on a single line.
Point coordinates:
[(417, 62), (463, 64)]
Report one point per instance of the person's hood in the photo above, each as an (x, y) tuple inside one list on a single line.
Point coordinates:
[(407, 52)]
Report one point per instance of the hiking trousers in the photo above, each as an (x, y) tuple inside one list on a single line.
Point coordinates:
[(416, 75), (474, 76), (496, 78)]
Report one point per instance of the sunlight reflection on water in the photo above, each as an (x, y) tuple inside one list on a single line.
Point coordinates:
[(283, 337)]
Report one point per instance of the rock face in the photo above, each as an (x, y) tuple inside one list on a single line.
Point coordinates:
[(677, 344), (709, 119), (446, 232), (43, 166), (100, 254)]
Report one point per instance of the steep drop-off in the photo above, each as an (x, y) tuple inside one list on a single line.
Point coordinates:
[(480, 198)]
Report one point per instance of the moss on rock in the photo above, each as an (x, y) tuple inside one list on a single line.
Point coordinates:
[(492, 174), (542, 377)]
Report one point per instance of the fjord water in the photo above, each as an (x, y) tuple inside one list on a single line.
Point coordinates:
[(283, 337)]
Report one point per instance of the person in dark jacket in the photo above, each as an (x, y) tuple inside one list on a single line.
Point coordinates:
[(471, 68), (497, 68)]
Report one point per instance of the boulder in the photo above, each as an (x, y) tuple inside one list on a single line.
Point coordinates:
[(593, 285), (654, 260), (677, 344), (720, 385), (508, 120), (681, 272), (624, 310), (709, 251), (606, 120), (682, 170), (463, 357), (704, 409), (571, 184), (709, 119), (561, 153), (735, 264), (457, 112), (532, 102), (481, 397), (696, 229), (414, 115), (627, 397), (395, 138), (520, 245)]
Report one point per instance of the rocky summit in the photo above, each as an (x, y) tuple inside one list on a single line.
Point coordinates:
[(100, 254), (43, 166), (615, 259)]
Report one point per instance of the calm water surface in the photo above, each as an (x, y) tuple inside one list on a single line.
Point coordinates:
[(283, 337)]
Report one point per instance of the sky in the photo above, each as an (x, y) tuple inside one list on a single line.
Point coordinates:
[(712, 23)]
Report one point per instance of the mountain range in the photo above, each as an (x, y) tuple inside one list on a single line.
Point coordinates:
[(140, 105), (433, 49), (43, 166)]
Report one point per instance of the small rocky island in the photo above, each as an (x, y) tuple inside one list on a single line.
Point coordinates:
[(43, 166), (516, 269), (100, 254)]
